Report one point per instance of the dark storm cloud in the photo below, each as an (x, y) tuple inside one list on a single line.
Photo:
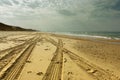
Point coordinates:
[(117, 5)]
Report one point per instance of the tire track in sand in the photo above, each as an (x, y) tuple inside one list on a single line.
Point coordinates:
[(54, 70), (14, 70), (96, 72)]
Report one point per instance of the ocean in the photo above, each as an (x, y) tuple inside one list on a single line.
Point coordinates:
[(105, 35)]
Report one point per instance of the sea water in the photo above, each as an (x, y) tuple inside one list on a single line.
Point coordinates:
[(105, 35)]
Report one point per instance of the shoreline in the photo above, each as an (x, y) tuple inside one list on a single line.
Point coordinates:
[(103, 40)]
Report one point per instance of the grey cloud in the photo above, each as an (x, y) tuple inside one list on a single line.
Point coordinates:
[(106, 9), (66, 13), (15, 1), (62, 14), (6, 2), (34, 4)]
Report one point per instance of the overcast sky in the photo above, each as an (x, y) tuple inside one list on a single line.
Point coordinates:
[(62, 15)]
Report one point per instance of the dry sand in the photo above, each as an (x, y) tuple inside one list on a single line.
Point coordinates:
[(103, 54), (39, 61), (83, 59), (13, 40), (72, 72)]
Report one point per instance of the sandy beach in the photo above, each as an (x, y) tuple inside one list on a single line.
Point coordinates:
[(47, 56)]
